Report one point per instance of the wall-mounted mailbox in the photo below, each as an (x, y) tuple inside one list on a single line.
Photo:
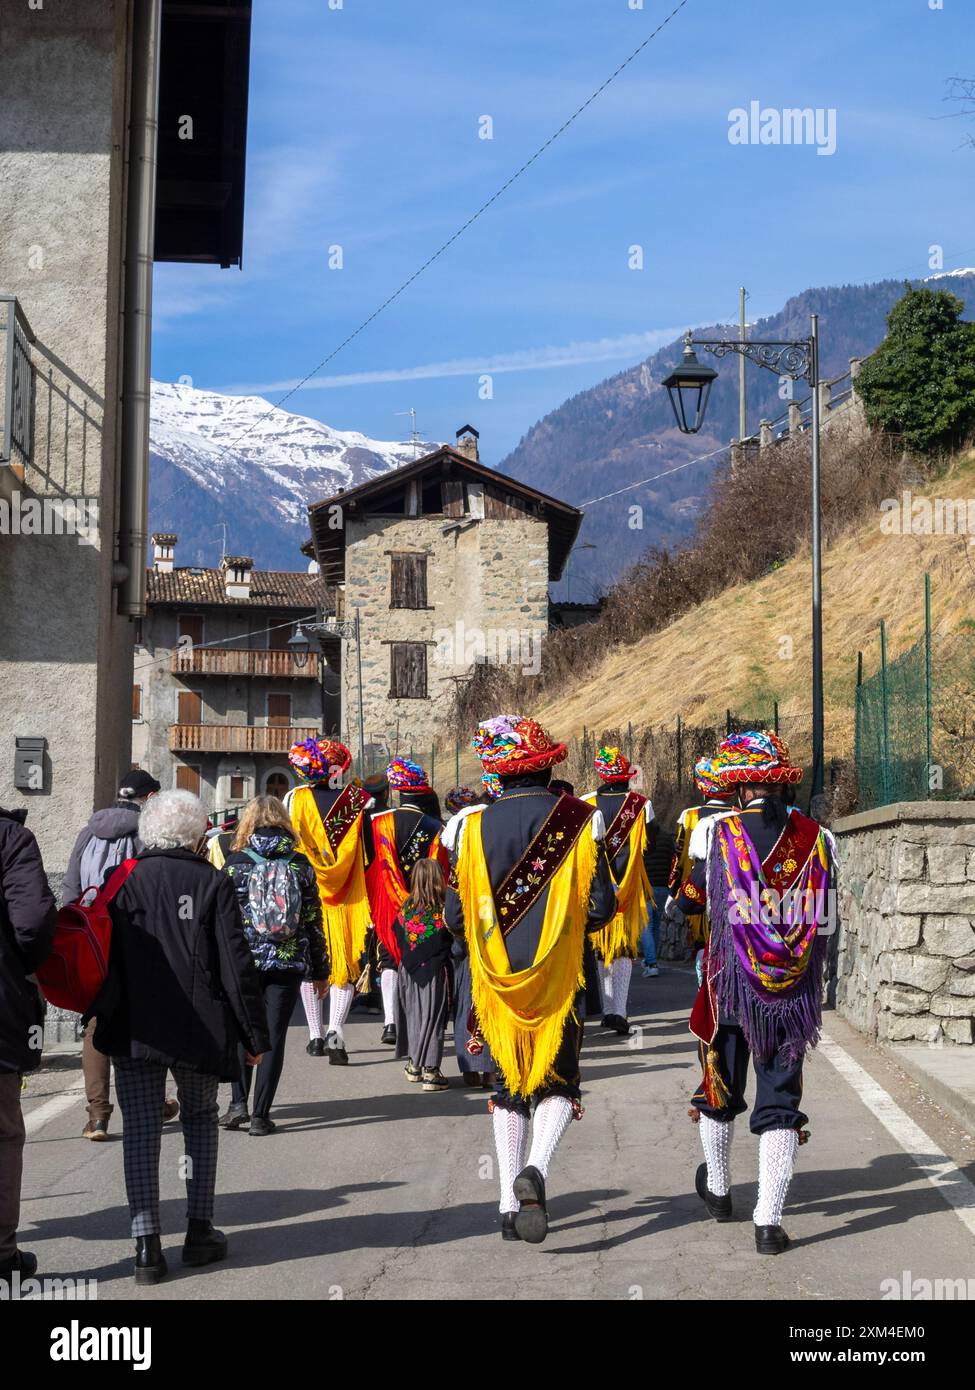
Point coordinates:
[(29, 763)]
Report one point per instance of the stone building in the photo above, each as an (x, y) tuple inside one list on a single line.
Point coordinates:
[(93, 95), (218, 698), (445, 564)]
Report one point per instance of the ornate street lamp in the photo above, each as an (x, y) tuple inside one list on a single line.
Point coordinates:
[(299, 647), (689, 387), (797, 359)]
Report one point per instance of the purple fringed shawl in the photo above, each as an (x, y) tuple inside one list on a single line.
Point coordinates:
[(767, 975)]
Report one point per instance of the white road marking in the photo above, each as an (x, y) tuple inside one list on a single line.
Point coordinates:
[(934, 1163), (51, 1109)]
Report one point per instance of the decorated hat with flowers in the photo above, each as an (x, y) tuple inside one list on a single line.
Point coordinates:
[(492, 784), (756, 757), (317, 758), (458, 797), (613, 766), (708, 780), (404, 775), (510, 745)]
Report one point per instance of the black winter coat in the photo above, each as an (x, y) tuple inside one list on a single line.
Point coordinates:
[(27, 914), (182, 984)]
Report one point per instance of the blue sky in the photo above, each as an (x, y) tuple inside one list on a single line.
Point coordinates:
[(363, 133)]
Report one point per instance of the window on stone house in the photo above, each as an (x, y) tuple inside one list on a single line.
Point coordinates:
[(136, 702), (408, 580), (237, 788), (407, 671)]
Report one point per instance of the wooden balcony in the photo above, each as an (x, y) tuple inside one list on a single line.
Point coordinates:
[(234, 661), (238, 738)]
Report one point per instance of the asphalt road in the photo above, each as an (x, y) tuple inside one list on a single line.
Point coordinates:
[(372, 1189)]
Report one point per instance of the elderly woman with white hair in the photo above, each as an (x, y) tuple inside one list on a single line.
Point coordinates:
[(182, 991)]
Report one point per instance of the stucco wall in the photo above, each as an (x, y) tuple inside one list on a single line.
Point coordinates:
[(65, 658), (487, 582), (906, 949)]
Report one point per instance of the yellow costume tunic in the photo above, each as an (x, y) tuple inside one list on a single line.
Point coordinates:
[(621, 936), (336, 854)]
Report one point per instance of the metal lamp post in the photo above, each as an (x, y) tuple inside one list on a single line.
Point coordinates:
[(350, 631), (300, 647), (689, 388)]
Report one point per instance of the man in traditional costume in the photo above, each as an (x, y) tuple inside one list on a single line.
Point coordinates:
[(395, 839), (715, 801), (328, 821), (766, 875), (530, 878), (630, 833)]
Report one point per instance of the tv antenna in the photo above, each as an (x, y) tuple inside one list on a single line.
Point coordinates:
[(415, 439)]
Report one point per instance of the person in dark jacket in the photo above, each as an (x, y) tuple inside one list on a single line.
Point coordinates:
[(530, 877), (278, 897), (110, 837), (182, 991), (27, 914), (423, 976)]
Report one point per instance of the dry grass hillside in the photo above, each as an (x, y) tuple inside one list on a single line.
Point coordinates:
[(749, 646)]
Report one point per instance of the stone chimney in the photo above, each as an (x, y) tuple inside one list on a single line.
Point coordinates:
[(466, 442), (237, 575), (163, 551)]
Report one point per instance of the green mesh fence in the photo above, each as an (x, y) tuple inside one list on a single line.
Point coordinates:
[(893, 731)]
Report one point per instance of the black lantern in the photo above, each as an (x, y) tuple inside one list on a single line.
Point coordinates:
[(689, 387), (299, 647)]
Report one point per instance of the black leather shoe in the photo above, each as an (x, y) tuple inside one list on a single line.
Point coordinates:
[(203, 1244), (316, 1047), (260, 1126), (22, 1262), (770, 1240), (531, 1221), (150, 1262), (508, 1229), (389, 1035), (234, 1117), (622, 1026), (337, 1055), (718, 1207)]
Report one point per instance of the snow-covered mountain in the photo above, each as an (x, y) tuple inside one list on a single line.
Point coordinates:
[(240, 461)]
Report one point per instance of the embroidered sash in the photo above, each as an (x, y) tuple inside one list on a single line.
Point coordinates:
[(633, 804), (527, 880), (339, 818)]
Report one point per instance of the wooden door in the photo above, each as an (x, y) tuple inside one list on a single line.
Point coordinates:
[(279, 710), (191, 625), (189, 707), (188, 778)]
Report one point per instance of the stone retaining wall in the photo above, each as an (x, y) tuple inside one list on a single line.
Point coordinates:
[(906, 948)]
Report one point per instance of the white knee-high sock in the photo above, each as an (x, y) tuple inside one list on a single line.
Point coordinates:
[(551, 1120), (313, 1009), (387, 983), (339, 1003), (776, 1156), (606, 980), (621, 971), (716, 1137), (510, 1141)]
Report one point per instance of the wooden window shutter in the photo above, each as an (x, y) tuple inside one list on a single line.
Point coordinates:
[(407, 671), (408, 581), (137, 702), (453, 497), (279, 710), (188, 778)]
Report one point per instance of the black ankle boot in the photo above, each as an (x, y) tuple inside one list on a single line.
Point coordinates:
[(150, 1262), (770, 1240), (203, 1243)]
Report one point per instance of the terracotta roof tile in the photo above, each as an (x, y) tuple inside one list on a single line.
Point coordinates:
[(269, 589)]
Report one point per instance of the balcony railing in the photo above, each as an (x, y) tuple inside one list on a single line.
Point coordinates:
[(234, 661), (238, 738), (16, 385)]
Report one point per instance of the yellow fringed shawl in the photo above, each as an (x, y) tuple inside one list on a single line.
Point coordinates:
[(621, 935), (522, 1013), (341, 885)]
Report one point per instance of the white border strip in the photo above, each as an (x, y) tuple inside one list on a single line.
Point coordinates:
[(51, 1109), (934, 1163)]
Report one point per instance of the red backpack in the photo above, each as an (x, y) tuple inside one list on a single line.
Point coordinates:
[(75, 971)]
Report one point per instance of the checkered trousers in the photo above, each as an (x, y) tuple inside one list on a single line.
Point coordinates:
[(141, 1090)]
